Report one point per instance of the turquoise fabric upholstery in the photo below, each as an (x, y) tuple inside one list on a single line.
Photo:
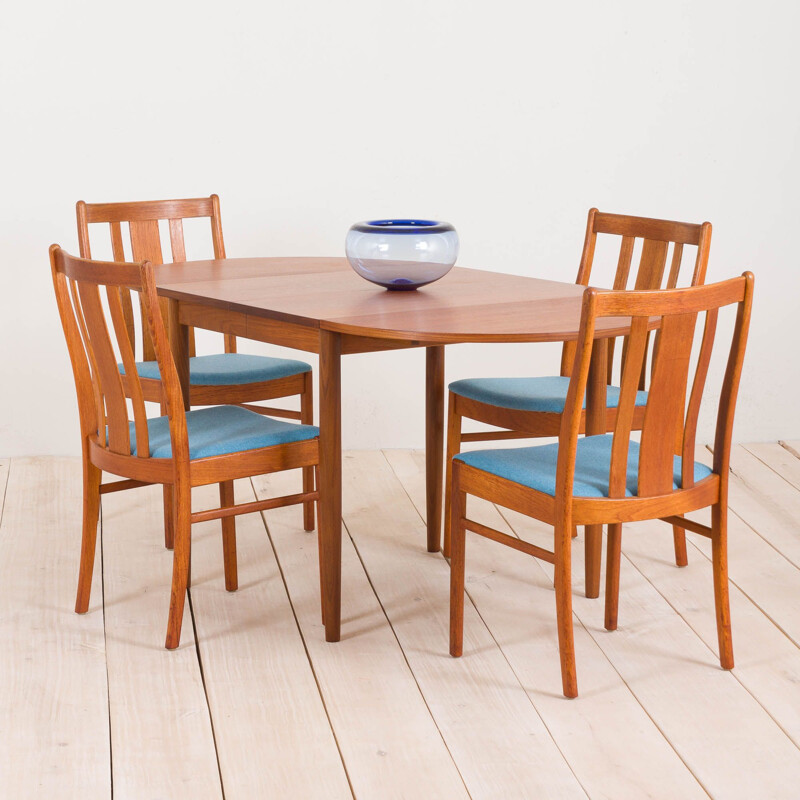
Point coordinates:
[(219, 430), (529, 394), (228, 369), (535, 467)]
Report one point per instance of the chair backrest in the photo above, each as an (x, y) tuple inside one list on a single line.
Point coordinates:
[(670, 423), (95, 348), (658, 238), (142, 220)]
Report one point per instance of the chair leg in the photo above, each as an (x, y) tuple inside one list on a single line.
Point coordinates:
[(679, 535), (181, 561), (319, 551), (457, 568), (307, 418), (563, 591), (91, 513), (719, 560), (228, 537), (613, 555), (169, 517), (594, 550), (453, 448)]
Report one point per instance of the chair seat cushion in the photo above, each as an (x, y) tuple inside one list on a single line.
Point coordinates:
[(229, 369), (219, 430), (535, 467), (546, 394)]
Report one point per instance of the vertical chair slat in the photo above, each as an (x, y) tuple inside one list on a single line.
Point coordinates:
[(651, 265), (178, 248), (176, 240), (94, 375), (620, 282), (146, 246), (664, 414), (687, 449), (119, 440), (637, 351), (118, 252), (129, 362), (675, 265), (650, 276)]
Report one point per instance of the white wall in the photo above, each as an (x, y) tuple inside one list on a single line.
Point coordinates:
[(509, 119)]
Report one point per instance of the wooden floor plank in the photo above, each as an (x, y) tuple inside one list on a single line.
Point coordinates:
[(391, 745), (161, 736), (53, 694), (656, 716), (781, 460), (516, 600), (767, 502), (497, 738), (677, 679), (767, 661), (273, 735)]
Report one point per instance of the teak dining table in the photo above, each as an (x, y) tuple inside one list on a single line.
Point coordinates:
[(321, 306)]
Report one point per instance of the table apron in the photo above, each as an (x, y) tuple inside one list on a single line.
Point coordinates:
[(280, 332)]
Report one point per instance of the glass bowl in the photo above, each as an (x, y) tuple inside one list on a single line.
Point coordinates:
[(402, 254)]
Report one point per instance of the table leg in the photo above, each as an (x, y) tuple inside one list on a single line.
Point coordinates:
[(595, 423), (330, 481), (434, 442)]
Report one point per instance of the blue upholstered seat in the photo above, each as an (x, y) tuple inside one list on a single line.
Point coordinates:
[(219, 430), (535, 467), (228, 369), (546, 394)]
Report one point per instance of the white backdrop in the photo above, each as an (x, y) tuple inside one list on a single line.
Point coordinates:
[(508, 119)]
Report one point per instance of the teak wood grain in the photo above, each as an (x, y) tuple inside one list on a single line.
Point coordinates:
[(320, 305)]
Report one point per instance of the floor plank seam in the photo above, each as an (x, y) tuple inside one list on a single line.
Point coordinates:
[(105, 647), (205, 687), (405, 657), (499, 646), (305, 646)]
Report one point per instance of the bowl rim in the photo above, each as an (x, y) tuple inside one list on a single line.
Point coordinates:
[(402, 226)]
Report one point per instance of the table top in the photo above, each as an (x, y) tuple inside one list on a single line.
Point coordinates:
[(467, 305)]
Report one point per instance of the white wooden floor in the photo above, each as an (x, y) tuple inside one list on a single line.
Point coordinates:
[(255, 704)]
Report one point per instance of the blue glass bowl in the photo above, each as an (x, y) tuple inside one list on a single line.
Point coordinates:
[(402, 254)]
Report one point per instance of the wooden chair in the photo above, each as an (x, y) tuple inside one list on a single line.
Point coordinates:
[(181, 449), (529, 408), (227, 378), (609, 478)]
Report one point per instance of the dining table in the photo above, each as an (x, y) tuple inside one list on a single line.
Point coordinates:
[(319, 305)]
